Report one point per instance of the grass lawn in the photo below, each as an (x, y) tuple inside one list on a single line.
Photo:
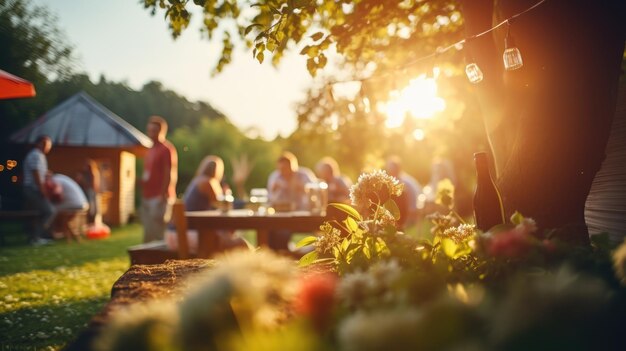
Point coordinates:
[(49, 293)]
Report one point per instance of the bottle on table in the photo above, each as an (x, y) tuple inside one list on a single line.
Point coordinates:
[(488, 208)]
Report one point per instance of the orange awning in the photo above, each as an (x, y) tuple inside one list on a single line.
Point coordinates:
[(13, 87)]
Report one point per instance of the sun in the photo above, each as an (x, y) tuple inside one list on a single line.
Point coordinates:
[(418, 100)]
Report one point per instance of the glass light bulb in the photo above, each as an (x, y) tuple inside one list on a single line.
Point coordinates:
[(512, 59), (474, 74)]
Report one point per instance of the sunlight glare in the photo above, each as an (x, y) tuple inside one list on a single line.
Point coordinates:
[(419, 100), (418, 134)]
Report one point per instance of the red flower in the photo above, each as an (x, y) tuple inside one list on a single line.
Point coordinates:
[(316, 298), (511, 244)]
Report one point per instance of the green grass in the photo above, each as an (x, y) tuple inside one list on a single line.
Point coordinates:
[(49, 293)]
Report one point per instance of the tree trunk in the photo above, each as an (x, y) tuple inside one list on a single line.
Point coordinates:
[(548, 123)]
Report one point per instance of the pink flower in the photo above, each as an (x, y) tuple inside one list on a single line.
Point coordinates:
[(315, 298), (513, 243)]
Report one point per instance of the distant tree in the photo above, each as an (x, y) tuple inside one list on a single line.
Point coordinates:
[(32, 47), (221, 138)]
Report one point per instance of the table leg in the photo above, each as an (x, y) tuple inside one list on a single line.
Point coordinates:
[(208, 243), (263, 238)]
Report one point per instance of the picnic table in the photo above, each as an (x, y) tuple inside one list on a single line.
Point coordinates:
[(208, 222)]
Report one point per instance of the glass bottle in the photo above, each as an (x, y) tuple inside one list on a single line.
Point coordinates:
[(488, 209)]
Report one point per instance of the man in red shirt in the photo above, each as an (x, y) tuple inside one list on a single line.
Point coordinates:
[(160, 173)]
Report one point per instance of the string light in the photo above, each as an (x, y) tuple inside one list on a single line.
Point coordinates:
[(473, 72), (512, 57)]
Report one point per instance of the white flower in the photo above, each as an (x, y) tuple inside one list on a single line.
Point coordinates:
[(460, 233), (379, 330), (375, 187)]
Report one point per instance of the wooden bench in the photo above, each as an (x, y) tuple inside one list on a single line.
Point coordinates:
[(21, 216), (157, 252)]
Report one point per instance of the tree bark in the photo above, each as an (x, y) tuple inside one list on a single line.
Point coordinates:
[(548, 123)]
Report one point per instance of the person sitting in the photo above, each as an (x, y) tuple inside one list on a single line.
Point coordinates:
[(412, 189), (203, 193), (286, 185), (70, 204), (286, 192), (327, 170)]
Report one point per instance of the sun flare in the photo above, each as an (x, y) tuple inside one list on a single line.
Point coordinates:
[(418, 100)]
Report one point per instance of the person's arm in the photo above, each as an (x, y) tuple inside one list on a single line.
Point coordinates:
[(168, 170), (39, 183)]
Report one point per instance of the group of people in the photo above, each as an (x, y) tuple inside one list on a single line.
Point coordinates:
[(52, 194), (287, 186)]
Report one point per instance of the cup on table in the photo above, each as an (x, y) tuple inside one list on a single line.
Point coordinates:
[(225, 202), (258, 200), (317, 196)]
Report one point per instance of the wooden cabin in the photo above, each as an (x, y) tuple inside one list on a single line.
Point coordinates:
[(81, 129)]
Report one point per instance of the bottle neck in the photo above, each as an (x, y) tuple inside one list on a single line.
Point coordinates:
[(482, 168)]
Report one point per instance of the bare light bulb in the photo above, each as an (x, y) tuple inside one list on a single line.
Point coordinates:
[(474, 74), (512, 57)]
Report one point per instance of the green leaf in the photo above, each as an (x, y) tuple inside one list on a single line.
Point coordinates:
[(251, 27), (274, 10), (260, 57), (317, 36), (351, 224), (271, 44), (367, 252), (501, 228), (280, 36), (307, 259), (449, 247), (392, 207), (322, 61), (517, 218), (305, 50), (345, 244), (349, 210), (306, 241)]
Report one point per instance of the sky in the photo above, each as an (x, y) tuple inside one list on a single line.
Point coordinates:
[(124, 42)]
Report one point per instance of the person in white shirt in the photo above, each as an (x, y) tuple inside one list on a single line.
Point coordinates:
[(35, 195), (286, 192)]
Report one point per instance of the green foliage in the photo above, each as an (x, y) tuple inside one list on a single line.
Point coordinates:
[(32, 47), (221, 138), (358, 30)]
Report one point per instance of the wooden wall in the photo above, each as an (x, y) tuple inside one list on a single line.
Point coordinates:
[(117, 169)]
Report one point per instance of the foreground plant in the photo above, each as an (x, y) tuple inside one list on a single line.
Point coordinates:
[(377, 289)]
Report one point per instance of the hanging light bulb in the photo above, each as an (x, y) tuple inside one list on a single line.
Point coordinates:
[(473, 72), (512, 57)]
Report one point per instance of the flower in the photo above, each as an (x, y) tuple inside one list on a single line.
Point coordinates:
[(315, 298), (143, 326), (354, 288), (245, 289), (515, 242), (459, 234), (329, 238), (619, 262), (374, 188), (440, 222), (380, 330), (511, 243), (361, 289)]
